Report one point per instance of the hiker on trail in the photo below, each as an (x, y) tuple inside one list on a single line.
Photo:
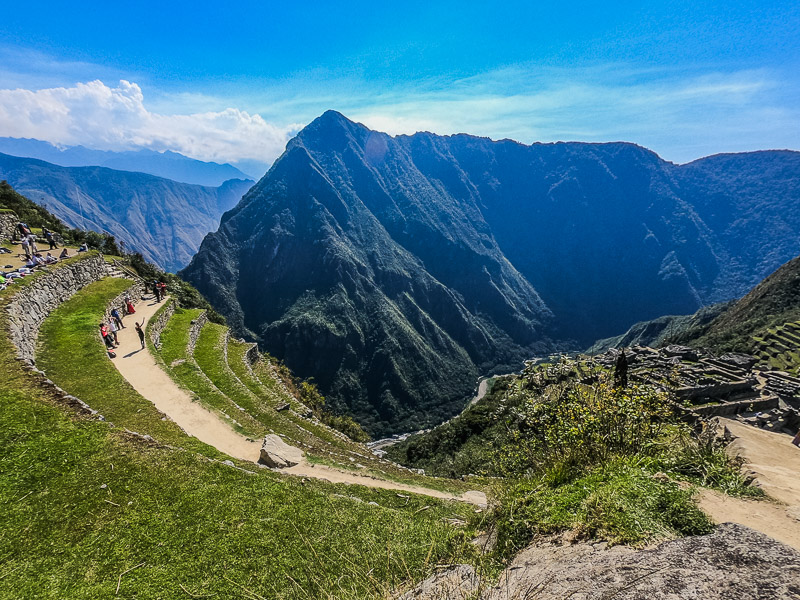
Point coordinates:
[(117, 318), (162, 290), (48, 235), (64, 254), (106, 338), (621, 370), (140, 331), (156, 290), (26, 248), (129, 306)]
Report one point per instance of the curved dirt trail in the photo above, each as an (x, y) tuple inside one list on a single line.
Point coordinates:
[(139, 367), (775, 463)]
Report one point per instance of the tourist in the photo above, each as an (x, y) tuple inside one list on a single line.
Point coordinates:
[(140, 331), (106, 339), (48, 235), (50, 259), (64, 254), (83, 248), (23, 229), (112, 330), (156, 291), (26, 248), (162, 290), (32, 243), (129, 306), (116, 316)]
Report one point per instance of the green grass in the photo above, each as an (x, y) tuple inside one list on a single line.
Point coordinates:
[(73, 356), (619, 501), (84, 502), (174, 347)]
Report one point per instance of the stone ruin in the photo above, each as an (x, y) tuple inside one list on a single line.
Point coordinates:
[(704, 385)]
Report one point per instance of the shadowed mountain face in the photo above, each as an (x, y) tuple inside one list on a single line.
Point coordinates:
[(163, 219), (394, 270)]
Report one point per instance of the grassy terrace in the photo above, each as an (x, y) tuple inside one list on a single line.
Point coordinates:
[(84, 502), (208, 354), (183, 369)]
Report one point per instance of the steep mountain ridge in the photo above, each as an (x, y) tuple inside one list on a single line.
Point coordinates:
[(393, 269), (164, 220)]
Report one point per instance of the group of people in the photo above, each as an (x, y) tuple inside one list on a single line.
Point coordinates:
[(159, 290), (109, 329)]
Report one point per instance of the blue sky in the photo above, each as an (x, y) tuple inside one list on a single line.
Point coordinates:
[(685, 79)]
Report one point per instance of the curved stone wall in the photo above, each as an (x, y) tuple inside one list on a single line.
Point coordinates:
[(157, 324), (31, 305)]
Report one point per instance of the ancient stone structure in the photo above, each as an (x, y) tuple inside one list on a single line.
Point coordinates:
[(157, 325), (8, 224), (194, 331), (38, 298)]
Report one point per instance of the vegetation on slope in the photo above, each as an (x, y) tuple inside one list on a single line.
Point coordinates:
[(774, 301), (36, 216), (608, 463), (91, 511)]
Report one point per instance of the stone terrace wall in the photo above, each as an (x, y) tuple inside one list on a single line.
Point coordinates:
[(8, 223), (30, 305), (157, 325), (194, 331), (134, 292)]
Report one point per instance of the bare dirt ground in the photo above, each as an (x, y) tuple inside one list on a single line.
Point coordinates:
[(142, 371), (775, 463)]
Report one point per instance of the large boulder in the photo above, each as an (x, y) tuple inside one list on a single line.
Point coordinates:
[(277, 453)]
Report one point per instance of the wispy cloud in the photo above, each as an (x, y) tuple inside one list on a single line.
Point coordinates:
[(680, 113)]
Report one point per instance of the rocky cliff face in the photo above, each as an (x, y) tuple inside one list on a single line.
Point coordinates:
[(163, 219), (393, 270)]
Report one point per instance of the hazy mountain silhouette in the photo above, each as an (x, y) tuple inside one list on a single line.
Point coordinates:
[(164, 220)]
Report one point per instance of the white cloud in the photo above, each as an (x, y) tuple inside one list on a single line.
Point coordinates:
[(99, 116)]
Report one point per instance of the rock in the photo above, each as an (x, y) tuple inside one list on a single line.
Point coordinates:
[(277, 453), (732, 562), (457, 583), (475, 497)]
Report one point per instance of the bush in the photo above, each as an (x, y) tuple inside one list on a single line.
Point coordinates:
[(573, 425)]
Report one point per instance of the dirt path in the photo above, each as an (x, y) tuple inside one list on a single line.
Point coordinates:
[(139, 367), (775, 463)]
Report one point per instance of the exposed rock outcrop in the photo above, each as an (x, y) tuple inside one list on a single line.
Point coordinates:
[(278, 454), (732, 562)]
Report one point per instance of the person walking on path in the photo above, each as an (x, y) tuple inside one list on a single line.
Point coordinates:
[(140, 331), (117, 318), (129, 306), (48, 235), (156, 291)]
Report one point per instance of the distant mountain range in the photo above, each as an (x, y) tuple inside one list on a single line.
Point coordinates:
[(394, 270), (169, 165), (164, 220)]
